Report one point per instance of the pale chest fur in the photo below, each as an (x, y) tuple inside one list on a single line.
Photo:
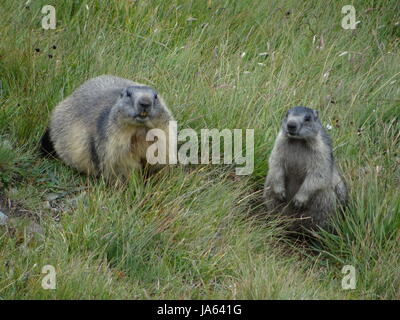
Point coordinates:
[(295, 158), (126, 151), (299, 159), (139, 145)]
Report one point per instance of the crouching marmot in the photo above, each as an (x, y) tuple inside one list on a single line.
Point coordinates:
[(101, 127), (303, 181)]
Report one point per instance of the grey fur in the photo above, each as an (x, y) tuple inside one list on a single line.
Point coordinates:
[(101, 127), (303, 181)]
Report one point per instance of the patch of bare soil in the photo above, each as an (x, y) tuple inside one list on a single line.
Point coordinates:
[(13, 209)]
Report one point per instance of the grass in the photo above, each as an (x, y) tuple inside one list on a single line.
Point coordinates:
[(197, 232)]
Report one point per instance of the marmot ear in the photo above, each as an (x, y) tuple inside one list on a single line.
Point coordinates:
[(123, 92), (315, 114), (126, 92)]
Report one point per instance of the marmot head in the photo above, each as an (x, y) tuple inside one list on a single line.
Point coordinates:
[(301, 123), (139, 104)]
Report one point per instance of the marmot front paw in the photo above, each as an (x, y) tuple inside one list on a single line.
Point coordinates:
[(299, 202), (280, 194)]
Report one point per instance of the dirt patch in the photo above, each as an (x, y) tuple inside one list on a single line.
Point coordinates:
[(21, 224), (13, 209)]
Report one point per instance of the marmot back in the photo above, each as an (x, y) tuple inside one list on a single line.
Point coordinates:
[(101, 127), (303, 181)]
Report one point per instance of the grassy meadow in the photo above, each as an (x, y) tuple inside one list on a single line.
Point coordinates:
[(200, 231)]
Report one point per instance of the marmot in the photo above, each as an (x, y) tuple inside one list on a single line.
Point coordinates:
[(303, 181), (101, 127)]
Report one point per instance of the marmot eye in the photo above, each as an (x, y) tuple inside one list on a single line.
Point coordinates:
[(128, 94), (155, 96), (307, 118)]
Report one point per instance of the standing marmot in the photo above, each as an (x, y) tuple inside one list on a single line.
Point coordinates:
[(101, 127), (303, 181)]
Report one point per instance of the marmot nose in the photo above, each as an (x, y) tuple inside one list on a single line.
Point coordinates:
[(292, 127), (145, 102)]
